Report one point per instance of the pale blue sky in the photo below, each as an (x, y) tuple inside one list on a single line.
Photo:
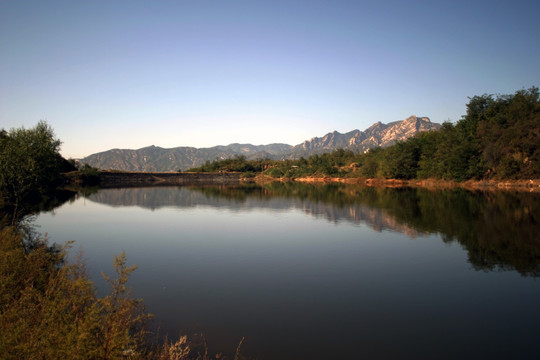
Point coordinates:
[(129, 74)]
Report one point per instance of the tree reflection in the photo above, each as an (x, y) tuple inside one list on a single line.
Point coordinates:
[(9, 215), (499, 229)]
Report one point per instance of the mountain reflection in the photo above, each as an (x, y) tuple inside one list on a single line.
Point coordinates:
[(500, 230)]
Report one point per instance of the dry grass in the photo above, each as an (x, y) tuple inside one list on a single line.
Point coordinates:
[(194, 348)]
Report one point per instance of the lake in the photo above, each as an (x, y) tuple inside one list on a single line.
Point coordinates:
[(323, 272)]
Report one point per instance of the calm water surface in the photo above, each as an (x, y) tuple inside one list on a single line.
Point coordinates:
[(313, 272)]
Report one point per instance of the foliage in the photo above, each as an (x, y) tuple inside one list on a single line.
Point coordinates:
[(89, 175), (317, 165), (509, 133), (401, 160), (497, 138), (30, 167), (238, 163), (49, 309), (122, 319)]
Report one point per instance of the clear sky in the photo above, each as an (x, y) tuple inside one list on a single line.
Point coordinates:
[(129, 74)]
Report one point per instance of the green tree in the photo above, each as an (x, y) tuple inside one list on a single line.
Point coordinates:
[(455, 155), (30, 165), (429, 143), (370, 163), (510, 133), (401, 160)]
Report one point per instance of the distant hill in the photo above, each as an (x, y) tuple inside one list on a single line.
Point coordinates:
[(155, 158)]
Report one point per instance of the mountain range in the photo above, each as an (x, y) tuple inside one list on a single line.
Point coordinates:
[(153, 158)]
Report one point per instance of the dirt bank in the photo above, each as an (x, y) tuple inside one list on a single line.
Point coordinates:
[(531, 185)]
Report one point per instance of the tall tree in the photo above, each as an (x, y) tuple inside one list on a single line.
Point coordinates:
[(30, 165), (510, 133)]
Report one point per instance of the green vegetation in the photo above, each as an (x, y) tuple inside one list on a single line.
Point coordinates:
[(89, 175), (497, 139), (30, 169), (49, 309), (325, 164), (236, 164)]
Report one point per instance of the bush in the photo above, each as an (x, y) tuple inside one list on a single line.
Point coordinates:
[(49, 309), (274, 172), (89, 175)]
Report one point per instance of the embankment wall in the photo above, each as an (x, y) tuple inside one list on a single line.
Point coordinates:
[(117, 179)]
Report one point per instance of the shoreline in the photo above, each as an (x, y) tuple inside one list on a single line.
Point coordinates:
[(130, 179), (530, 185)]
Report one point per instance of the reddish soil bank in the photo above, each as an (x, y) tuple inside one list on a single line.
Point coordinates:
[(531, 185)]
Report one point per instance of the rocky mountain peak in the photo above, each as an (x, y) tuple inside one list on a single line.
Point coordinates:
[(378, 134)]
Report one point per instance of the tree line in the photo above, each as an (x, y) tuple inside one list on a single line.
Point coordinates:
[(497, 139)]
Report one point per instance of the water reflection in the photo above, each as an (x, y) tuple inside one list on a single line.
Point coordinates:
[(323, 272), (499, 230), (23, 213)]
